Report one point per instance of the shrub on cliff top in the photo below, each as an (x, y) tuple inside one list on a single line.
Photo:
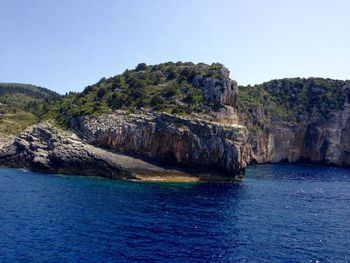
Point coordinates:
[(292, 98), (166, 87)]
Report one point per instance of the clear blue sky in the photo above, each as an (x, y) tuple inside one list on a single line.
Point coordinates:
[(68, 44)]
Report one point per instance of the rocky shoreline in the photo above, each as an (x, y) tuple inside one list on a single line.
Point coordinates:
[(163, 147), (44, 148)]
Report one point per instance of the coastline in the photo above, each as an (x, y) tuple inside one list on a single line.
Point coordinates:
[(43, 148), (46, 149)]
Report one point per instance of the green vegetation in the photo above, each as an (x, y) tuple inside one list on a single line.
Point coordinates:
[(291, 99), (169, 87), (174, 88), (13, 121), (257, 96), (26, 97), (302, 96), (22, 105)]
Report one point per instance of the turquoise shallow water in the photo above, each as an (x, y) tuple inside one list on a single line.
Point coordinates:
[(278, 213)]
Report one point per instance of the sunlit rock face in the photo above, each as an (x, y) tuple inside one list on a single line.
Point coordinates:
[(222, 91), (315, 138), (172, 138), (45, 148)]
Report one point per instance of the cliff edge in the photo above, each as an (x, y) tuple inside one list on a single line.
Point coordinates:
[(184, 121), (44, 148), (298, 120)]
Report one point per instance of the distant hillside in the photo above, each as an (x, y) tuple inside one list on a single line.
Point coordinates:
[(21, 105), (293, 98), (26, 97), (171, 87), (298, 120)]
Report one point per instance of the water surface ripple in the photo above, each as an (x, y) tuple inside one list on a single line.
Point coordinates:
[(279, 213)]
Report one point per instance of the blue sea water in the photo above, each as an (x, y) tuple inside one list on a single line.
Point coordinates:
[(279, 213)]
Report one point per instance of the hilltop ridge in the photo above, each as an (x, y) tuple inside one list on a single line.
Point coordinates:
[(176, 88), (22, 105)]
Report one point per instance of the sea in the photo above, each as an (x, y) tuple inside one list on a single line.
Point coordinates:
[(278, 213)]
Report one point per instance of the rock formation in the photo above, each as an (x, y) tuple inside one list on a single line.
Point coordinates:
[(314, 137), (220, 91), (223, 92), (168, 137), (44, 148)]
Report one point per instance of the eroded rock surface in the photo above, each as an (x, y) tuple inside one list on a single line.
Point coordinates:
[(313, 138), (46, 149), (168, 137)]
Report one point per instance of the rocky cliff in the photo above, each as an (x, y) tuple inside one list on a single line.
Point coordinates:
[(184, 141), (45, 148), (318, 133), (182, 113)]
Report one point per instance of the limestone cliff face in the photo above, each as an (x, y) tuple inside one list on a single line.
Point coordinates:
[(314, 138), (168, 137), (44, 148), (223, 92)]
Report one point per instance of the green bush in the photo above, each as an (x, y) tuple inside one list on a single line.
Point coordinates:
[(141, 67), (157, 102), (167, 87)]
